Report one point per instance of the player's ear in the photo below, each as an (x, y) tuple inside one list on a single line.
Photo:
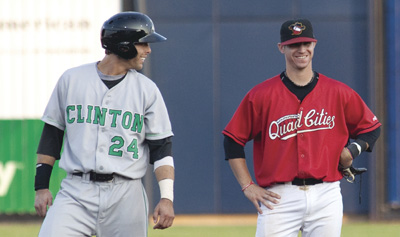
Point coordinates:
[(281, 48)]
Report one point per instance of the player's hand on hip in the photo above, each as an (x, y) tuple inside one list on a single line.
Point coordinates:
[(163, 215), (345, 158), (43, 200), (257, 194)]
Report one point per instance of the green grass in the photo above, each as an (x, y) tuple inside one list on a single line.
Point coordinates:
[(19, 229), (348, 230), (359, 229), (363, 229)]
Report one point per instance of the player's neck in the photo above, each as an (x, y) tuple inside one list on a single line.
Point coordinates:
[(300, 77), (110, 66)]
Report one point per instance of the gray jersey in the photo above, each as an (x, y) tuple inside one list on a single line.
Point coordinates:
[(105, 129)]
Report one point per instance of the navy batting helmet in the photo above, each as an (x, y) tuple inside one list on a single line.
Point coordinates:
[(120, 33)]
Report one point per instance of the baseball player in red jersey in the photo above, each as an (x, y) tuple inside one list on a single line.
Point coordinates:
[(113, 122), (304, 126)]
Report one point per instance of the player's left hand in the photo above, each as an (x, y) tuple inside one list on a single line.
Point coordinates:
[(345, 158), (350, 173), (163, 215)]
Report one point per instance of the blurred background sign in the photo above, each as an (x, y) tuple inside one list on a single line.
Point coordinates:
[(40, 39)]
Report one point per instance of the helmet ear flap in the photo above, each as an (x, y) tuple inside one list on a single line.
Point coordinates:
[(126, 50), (123, 48)]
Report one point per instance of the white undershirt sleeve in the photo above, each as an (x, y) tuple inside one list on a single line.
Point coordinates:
[(168, 160)]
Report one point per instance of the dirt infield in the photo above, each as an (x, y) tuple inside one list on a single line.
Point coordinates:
[(199, 219)]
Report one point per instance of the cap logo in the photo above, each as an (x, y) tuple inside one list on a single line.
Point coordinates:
[(297, 28)]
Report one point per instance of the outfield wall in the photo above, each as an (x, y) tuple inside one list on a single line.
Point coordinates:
[(216, 51), (18, 144)]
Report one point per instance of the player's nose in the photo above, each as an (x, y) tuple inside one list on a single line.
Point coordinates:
[(148, 49)]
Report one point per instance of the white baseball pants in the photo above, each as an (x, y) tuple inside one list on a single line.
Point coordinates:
[(316, 210), (86, 208)]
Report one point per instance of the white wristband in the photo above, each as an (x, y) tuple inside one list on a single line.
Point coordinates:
[(167, 189)]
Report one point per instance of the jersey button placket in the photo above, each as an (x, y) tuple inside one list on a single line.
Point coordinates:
[(300, 144), (102, 137), (107, 99)]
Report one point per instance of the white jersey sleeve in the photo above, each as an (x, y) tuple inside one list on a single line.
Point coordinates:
[(157, 118), (54, 113)]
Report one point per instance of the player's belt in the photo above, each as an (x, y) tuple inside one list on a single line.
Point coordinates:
[(97, 177), (301, 182)]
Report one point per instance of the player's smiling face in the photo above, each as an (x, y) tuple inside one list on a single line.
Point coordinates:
[(299, 55), (143, 50)]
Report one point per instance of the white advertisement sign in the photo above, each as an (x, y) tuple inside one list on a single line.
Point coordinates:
[(40, 39)]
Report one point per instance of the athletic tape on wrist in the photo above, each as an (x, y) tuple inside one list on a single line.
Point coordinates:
[(42, 177), (167, 189)]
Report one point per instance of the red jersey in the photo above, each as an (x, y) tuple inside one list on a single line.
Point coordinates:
[(303, 139)]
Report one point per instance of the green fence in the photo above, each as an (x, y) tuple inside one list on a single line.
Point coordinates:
[(18, 143)]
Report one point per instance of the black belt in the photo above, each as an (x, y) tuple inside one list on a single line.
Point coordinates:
[(301, 182), (97, 177)]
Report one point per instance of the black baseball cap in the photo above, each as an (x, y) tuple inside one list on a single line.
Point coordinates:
[(297, 31)]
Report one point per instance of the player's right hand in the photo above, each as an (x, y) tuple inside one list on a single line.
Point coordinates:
[(43, 200), (257, 194)]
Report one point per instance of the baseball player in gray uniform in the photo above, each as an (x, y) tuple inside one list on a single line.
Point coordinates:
[(112, 122)]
